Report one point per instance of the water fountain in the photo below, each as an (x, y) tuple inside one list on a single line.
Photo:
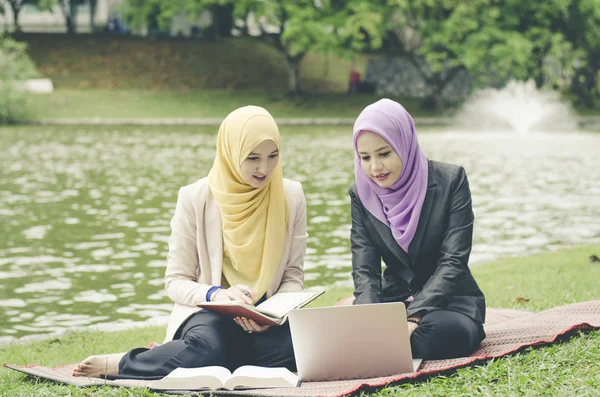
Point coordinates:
[(519, 107)]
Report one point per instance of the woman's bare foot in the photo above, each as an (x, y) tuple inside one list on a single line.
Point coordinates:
[(93, 366), (152, 345)]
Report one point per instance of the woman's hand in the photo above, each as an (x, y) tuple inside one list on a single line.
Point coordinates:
[(240, 293), (412, 325), (244, 294), (250, 326), (411, 328)]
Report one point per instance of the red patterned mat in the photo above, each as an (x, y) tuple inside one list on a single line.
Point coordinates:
[(507, 331)]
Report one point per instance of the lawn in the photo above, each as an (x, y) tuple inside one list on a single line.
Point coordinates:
[(534, 283), (120, 104)]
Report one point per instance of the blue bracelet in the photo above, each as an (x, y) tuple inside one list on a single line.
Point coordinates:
[(211, 291)]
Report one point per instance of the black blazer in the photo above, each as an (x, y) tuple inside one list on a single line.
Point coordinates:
[(435, 270)]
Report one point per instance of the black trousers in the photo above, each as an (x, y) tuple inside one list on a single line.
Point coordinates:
[(208, 339), (446, 334)]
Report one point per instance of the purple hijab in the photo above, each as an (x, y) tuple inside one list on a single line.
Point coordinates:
[(399, 206)]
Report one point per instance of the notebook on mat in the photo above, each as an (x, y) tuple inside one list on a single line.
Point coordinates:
[(350, 342)]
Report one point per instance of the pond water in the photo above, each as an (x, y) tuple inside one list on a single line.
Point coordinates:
[(85, 211)]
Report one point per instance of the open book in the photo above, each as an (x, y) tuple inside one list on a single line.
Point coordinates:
[(273, 311), (247, 376)]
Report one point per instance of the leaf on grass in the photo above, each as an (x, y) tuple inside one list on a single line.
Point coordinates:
[(520, 299)]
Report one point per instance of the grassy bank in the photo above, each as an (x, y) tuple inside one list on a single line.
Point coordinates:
[(127, 62), (105, 103), (534, 283)]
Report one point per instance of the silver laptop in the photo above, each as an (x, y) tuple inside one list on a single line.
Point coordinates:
[(351, 342)]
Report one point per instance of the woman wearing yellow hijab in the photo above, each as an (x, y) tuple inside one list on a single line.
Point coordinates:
[(238, 234)]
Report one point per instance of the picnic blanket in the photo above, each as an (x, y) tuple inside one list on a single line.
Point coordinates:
[(508, 331)]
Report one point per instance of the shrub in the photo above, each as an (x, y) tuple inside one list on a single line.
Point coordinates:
[(15, 68)]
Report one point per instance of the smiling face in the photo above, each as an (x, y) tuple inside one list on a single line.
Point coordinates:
[(378, 160), (260, 163)]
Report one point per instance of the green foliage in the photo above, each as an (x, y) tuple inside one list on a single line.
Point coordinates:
[(139, 12), (17, 5), (303, 25), (293, 27), (15, 68), (358, 26), (555, 42), (581, 28)]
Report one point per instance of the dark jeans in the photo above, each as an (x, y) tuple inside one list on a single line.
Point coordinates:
[(208, 339), (446, 334)]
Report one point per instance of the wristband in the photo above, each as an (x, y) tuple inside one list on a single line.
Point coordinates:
[(212, 291)]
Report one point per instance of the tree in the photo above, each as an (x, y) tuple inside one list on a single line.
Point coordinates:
[(93, 5), (17, 5), (425, 32), (536, 28), (15, 67), (139, 12), (69, 10), (3, 14), (222, 19), (452, 36), (560, 45), (581, 28), (293, 27), (494, 40)]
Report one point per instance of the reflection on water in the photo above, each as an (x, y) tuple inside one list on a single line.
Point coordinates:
[(85, 211)]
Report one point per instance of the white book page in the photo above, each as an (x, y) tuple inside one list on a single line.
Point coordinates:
[(253, 376), (282, 303), (417, 363), (194, 378)]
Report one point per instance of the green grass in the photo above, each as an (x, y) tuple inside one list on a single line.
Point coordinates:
[(103, 103), (546, 280)]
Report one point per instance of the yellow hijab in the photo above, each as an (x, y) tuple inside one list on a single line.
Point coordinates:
[(253, 220)]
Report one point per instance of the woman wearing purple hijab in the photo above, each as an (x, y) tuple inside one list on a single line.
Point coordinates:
[(416, 215)]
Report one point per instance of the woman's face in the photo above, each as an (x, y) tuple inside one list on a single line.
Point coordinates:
[(259, 164), (378, 160)]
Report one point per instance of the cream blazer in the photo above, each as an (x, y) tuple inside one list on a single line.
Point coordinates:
[(194, 262)]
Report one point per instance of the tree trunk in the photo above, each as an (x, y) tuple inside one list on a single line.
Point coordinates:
[(293, 63), (71, 20), (583, 86), (434, 101), (70, 24), (16, 9), (540, 78), (223, 19), (326, 65), (93, 4), (68, 9), (539, 54)]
